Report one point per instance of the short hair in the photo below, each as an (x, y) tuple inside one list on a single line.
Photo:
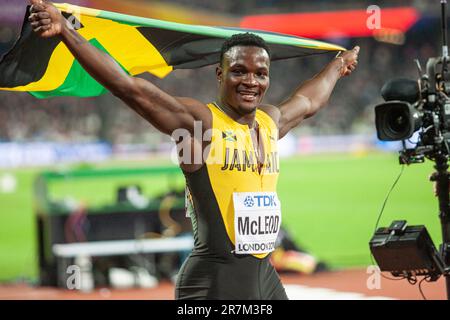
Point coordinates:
[(243, 39)]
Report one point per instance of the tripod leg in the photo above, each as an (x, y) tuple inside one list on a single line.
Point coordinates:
[(442, 178)]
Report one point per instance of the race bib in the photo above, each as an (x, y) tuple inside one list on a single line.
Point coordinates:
[(257, 220)]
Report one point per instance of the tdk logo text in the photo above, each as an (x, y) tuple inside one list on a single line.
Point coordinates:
[(260, 201)]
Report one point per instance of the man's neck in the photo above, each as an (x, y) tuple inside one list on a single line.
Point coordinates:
[(248, 119)]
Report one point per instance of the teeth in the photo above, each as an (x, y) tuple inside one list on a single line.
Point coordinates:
[(248, 97)]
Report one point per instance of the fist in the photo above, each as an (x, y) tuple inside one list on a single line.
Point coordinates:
[(349, 60), (46, 20)]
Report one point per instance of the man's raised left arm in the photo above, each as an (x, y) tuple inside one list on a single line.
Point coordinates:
[(314, 93)]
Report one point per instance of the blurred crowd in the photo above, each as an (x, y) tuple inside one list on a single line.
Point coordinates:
[(105, 118)]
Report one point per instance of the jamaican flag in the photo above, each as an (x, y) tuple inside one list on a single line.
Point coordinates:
[(44, 67)]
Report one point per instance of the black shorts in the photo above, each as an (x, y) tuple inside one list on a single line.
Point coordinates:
[(240, 277)]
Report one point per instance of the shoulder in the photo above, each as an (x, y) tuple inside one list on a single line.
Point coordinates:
[(191, 102), (197, 109), (272, 111)]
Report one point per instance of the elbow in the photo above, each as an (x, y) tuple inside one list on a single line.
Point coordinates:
[(314, 106), (311, 107)]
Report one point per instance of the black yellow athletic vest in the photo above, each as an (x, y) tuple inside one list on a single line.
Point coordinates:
[(230, 167)]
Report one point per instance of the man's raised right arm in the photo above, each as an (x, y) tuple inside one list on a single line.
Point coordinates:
[(162, 110)]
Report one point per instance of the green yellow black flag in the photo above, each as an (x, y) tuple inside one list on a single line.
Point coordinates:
[(44, 67)]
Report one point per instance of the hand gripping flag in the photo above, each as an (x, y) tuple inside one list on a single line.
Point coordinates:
[(45, 67)]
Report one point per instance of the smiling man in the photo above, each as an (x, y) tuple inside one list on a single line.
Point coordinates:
[(235, 211)]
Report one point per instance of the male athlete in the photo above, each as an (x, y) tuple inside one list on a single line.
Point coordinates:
[(236, 213)]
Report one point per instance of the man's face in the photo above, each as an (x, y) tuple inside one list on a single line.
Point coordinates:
[(243, 78)]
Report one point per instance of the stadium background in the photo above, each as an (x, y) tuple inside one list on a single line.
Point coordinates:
[(335, 174)]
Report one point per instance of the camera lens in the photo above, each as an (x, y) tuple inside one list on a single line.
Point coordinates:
[(397, 121)]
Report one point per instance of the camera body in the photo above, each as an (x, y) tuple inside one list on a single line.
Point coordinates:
[(423, 106)]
